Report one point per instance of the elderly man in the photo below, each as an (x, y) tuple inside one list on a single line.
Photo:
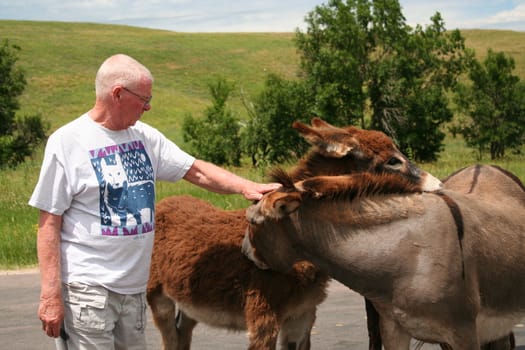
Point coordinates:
[(96, 195)]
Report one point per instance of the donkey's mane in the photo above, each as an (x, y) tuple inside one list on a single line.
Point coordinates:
[(280, 175), (350, 186)]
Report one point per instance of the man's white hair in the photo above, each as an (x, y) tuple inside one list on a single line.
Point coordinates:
[(121, 70)]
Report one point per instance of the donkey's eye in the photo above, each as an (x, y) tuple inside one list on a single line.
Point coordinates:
[(394, 161)]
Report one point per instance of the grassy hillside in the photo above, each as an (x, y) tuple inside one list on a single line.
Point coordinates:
[(510, 42), (60, 61)]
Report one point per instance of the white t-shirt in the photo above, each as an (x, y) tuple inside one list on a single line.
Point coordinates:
[(103, 183)]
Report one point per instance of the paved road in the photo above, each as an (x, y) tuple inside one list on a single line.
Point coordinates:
[(340, 321)]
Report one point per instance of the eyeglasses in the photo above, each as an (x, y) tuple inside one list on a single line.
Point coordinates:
[(145, 99)]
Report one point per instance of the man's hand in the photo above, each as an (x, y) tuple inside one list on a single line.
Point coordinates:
[(51, 313), (256, 190)]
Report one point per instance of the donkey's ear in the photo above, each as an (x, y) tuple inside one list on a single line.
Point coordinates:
[(319, 123), (311, 135), (274, 205), (339, 148), (330, 141), (319, 132), (284, 206)]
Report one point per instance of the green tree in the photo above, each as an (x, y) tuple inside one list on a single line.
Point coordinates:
[(19, 136), (269, 137), (408, 89), (216, 137), (364, 65), (492, 106), (333, 54)]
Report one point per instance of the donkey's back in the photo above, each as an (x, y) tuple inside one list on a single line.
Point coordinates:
[(487, 182)]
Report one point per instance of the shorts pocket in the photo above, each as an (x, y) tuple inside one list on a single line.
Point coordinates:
[(87, 305)]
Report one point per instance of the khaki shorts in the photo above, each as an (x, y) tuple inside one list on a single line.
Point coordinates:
[(96, 318)]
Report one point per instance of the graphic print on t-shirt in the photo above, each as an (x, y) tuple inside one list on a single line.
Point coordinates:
[(127, 191)]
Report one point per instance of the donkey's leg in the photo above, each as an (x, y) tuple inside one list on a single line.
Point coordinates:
[(261, 322), (185, 326), (392, 335), (175, 330), (505, 343), (464, 337), (295, 331), (163, 311), (372, 324)]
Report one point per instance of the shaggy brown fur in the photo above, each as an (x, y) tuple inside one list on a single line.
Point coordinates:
[(219, 278), (347, 186), (338, 151)]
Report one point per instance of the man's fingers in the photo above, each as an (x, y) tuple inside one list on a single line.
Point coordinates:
[(51, 330)]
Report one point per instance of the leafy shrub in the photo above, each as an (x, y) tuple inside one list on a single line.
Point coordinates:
[(18, 136), (215, 138), (269, 137)]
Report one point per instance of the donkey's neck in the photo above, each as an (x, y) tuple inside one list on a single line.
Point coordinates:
[(361, 211)]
